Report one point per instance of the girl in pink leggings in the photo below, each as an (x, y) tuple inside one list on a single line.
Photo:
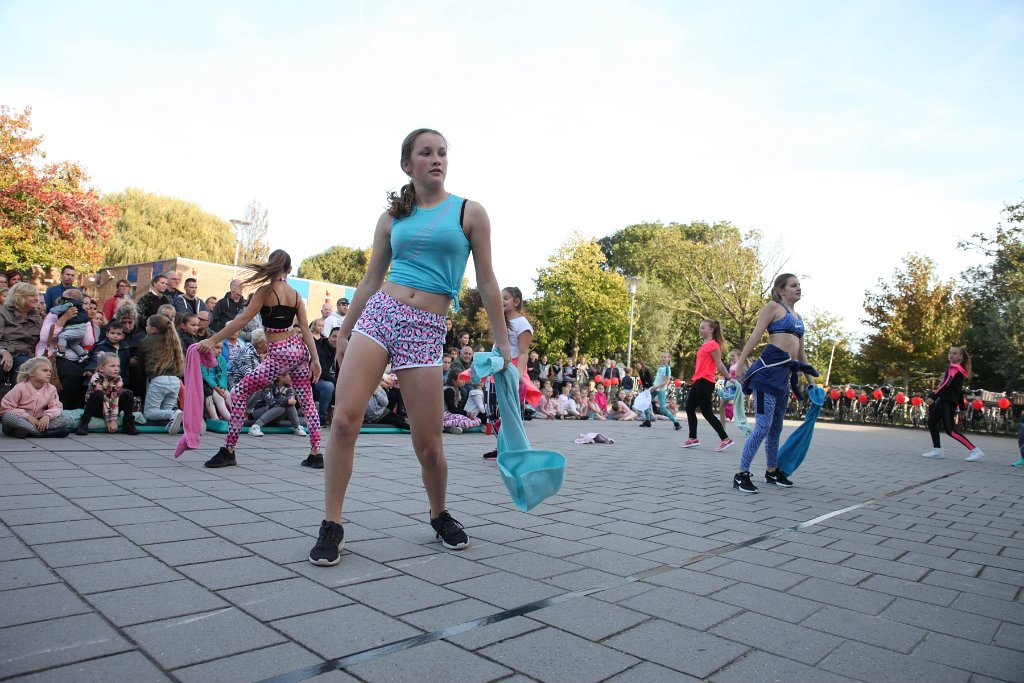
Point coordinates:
[(289, 351)]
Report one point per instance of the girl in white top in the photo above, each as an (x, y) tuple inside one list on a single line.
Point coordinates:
[(520, 331)]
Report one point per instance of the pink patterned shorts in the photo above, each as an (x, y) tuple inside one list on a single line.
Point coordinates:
[(412, 337)]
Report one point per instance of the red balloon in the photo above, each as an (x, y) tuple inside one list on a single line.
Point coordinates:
[(901, 398), (916, 401), (977, 404), (850, 393), (863, 398), (678, 382), (835, 394), (614, 381), (1003, 403), (599, 380), (877, 393)]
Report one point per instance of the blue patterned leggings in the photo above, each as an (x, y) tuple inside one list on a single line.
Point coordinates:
[(768, 418), (288, 356)]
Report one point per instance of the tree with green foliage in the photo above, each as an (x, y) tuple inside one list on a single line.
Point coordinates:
[(825, 340), (340, 265), (581, 306), (153, 227), (995, 308), (915, 318), (49, 216)]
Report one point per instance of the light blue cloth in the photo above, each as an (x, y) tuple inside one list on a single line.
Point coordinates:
[(793, 452), (529, 475)]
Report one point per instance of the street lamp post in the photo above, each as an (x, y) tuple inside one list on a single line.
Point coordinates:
[(238, 224), (631, 282), (831, 357)]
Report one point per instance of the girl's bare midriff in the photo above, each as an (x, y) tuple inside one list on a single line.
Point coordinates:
[(279, 336), (417, 298), (789, 343)]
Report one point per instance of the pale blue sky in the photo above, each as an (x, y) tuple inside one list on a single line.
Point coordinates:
[(851, 133)]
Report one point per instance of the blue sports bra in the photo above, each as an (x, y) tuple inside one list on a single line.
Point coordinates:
[(789, 324)]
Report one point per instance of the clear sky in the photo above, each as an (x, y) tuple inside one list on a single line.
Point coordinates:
[(851, 133)]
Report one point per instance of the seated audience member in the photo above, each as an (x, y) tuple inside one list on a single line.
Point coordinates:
[(600, 399), (75, 331), (464, 360), (323, 390), (204, 331), (20, 326), (381, 408), (210, 302), (316, 328), (325, 312), (456, 420), (188, 325), (3, 293), (628, 380), (31, 407), (566, 404), (446, 364), (13, 277), (230, 348), (548, 408), (273, 402), (187, 301), (173, 280), (583, 403), (336, 318), (160, 354), (67, 281), (113, 343), (618, 408), (123, 291), (3, 280), (215, 389), (475, 404), (150, 302), (106, 397), (168, 312), (247, 360), (70, 373), (135, 376), (228, 308)]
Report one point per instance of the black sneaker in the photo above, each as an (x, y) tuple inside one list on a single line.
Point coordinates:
[(742, 482), (678, 426), (224, 458), (450, 532), (491, 455), (314, 460), (130, 429), (83, 428), (645, 423), (327, 551), (778, 477)]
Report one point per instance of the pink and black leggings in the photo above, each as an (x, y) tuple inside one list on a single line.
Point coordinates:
[(288, 356), (942, 411)]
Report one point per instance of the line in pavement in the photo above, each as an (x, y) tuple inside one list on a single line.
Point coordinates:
[(425, 638)]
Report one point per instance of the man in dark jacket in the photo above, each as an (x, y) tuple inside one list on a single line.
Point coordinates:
[(229, 307), (323, 390)]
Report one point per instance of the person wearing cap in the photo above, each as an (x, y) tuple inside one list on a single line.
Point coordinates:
[(337, 318)]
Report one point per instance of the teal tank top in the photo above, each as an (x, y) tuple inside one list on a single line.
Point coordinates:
[(429, 250)]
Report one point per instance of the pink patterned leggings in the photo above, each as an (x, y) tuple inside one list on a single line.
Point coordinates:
[(456, 420), (288, 356)]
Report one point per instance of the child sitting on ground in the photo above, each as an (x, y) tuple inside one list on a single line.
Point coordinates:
[(107, 396), (475, 406), (272, 403), (618, 409), (31, 407), (456, 420), (548, 408), (566, 404), (382, 408)]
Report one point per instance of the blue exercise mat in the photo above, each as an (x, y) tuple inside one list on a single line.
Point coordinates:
[(793, 452), (530, 475)]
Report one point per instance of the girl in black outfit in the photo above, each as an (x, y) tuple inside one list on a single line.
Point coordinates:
[(946, 399)]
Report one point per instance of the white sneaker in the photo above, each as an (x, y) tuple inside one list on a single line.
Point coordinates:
[(976, 454), (933, 453), (174, 426), (255, 430), (453, 430), (301, 431)]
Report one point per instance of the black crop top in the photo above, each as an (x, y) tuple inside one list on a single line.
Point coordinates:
[(278, 317)]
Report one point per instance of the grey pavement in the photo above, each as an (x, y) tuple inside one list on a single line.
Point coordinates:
[(118, 562)]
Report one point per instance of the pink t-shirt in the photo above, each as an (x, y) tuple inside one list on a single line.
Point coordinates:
[(705, 363)]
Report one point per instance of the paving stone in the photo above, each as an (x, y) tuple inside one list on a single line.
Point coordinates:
[(117, 502), (776, 579), (179, 553), (389, 549), (321, 633), (242, 571), (13, 549), (437, 661), (1011, 636), (874, 565), (772, 635), (254, 532), (280, 599), (911, 590), (861, 548), (131, 666), (681, 608), (38, 603), (865, 628), (45, 644), (251, 666), (612, 562), (942, 620), (150, 603), (824, 571), (868, 663), (351, 570), (989, 607), (46, 515), (1003, 575), (201, 637), (856, 599), (551, 546), (586, 579), (768, 602), (400, 594), (676, 647), (531, 565), (578, 659), (979, 658), (24, 573), (106, 576), (72, 553), (35, 534), (589, 618), (163, 532), (646, 672), (504, 590), (441, 568), (763, 666), (942, 564)]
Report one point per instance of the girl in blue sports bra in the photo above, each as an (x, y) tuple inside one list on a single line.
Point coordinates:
[(769, 378)]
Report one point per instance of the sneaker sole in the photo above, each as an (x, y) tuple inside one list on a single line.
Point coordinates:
[(455, 547), (313, 466), (742, 490), (174, 428), (725, 448), (328, 563), (775, 483), (218, 465), (689, 445), (932, 457), (974, 459)]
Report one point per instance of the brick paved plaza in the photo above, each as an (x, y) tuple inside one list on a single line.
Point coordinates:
[(118, 562)]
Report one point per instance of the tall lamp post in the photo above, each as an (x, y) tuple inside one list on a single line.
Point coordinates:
[(631, 282), (238, 224), (831, 357)]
